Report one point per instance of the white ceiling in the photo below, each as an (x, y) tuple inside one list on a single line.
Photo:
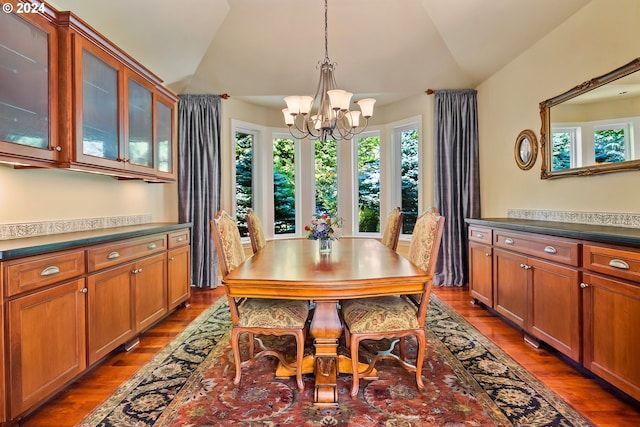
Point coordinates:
[(263, 50)]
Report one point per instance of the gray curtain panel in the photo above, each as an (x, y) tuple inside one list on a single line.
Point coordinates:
[(199, 180), (457, 180)]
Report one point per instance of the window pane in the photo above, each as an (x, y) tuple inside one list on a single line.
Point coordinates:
[(244, 193), (369, 184), (326, 177), (561, 147), (609, 145), (284, 185), (409, 179)]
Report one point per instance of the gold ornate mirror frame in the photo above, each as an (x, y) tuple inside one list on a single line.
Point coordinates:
[(526, 149), (546, 141)]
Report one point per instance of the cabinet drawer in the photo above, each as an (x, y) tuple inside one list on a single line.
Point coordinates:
[(26, 274), (179, 238), (565, 251), (480, 234), (616, 262), (109, 255)]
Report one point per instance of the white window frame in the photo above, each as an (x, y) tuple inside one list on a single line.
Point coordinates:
[(355, 181)]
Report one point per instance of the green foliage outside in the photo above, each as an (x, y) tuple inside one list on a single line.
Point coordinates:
[(284, 198), (561, 151), (244, 160), (326, 159), (409, 179), (609, 146), (369, 184)]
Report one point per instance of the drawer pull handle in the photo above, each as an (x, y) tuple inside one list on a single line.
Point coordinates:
[(508, 241), (618, 263), (550, 250), (151, 246), (480, 235), (50, 270), (179, 239), (113, 255)]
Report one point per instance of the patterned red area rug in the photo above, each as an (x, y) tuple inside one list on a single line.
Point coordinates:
[(468, 382)]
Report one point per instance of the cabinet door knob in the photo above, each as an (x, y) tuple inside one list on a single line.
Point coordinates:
[(487, 254), (171, 259), (584, 285), (84, 290)]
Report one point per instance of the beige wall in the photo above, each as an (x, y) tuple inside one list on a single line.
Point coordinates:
[(600, 37), (507, 103), (32, 195)]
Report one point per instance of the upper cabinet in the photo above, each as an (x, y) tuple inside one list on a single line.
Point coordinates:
[(28, 85), (70, 98)]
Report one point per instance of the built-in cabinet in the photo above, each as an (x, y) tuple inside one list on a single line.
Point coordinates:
[(66, 310), (72, 99), (578, 296)]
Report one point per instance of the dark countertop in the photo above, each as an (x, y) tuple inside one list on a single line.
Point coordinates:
[(596, 233), (16, 248)]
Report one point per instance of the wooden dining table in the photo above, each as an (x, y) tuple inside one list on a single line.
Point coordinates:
[(294, 269)]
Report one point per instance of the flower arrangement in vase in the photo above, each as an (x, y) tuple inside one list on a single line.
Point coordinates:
[(325, 229)]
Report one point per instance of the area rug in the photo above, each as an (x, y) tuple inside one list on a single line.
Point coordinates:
[(468, 382)]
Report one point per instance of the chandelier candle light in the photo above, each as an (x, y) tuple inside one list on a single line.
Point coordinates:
[(332, 119)]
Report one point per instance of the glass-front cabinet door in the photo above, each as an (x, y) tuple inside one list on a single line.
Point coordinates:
[(165, 138), (100, 134), (28, 68), (140, 126)]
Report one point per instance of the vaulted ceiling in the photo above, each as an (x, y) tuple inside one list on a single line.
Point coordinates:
[(263, 50)]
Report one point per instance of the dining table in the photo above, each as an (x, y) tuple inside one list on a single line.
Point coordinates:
[(295, 269)]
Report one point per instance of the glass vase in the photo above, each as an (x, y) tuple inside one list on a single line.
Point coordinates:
[(325, 246)]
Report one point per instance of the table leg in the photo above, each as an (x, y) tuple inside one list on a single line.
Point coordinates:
[(326, 330)]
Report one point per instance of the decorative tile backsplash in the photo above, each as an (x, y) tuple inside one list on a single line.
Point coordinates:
[(629, 220), (33, 229)]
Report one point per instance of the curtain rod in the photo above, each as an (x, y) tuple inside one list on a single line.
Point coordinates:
[(429, 91)]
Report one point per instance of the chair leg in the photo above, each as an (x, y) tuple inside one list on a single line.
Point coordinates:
[(422, 344), (252, 349), (235, 348), (299, 356), (355, 384)]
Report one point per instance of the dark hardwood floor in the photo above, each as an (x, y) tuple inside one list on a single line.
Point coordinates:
[(593, 399)]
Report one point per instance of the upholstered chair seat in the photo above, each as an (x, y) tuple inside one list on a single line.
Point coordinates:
[(382, 314), (395, 317), (268, 313)]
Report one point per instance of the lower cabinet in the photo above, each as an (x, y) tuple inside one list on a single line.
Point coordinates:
[(178, 276), (63, 311), (611, 333), (110, 313), (481, 273), (554, 309), (149, 278), (578, 296), (510, 283), (46, 342)]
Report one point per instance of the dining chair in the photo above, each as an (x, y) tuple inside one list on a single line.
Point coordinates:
[(392, 228), (257, 316), (396, 317), (256, 233)]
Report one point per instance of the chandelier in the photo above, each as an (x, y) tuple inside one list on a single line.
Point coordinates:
[(333, 119)]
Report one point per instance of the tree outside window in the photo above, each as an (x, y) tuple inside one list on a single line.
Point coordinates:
[(284, 197), (369, 184), (409, 178), (244, 181), (326, 158)]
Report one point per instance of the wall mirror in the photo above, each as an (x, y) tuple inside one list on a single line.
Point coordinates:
[(594, 127), (526, 149)]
